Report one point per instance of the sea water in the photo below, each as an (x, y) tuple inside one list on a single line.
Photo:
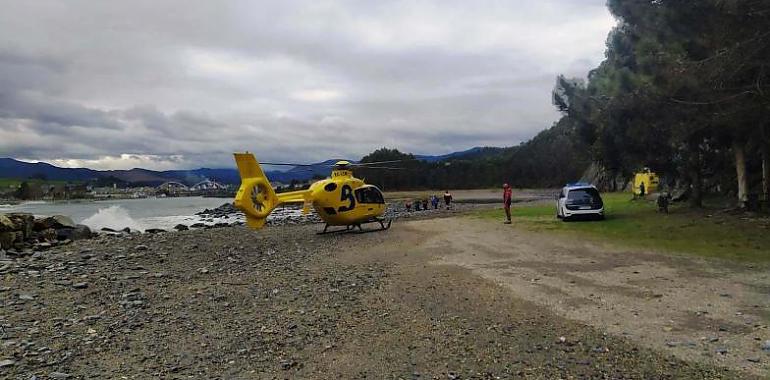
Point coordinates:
[(137, 214)]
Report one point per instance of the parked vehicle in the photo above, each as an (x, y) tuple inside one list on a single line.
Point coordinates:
[(579, 201), (646, 178)]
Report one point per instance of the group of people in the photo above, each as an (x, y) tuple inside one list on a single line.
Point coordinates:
[(422, 204)]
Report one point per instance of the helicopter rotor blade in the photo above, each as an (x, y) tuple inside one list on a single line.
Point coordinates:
[(384, 162), (365, 164), (384, 168), (284, 164)]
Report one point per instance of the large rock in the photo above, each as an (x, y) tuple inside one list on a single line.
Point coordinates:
[(6, 224), (603, 178), (48, 234), (24, 223), (6, 239), (79, 232), (9, 238), (56, 221)]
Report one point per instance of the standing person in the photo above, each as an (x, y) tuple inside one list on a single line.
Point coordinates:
[(447, 198), (663, 200), (416, 205), (507, 199), (425, 204), (434, 201), (641, 190)]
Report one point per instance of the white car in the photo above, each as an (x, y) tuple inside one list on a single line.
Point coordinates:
[(579, 201)]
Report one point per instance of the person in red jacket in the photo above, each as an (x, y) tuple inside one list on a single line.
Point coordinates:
[(507, 200)]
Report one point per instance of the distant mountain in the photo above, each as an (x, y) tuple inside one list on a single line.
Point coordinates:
[(302, 173), (465, 154), (11, 168)]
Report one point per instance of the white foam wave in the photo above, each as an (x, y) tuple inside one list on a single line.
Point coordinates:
[(114, 217)]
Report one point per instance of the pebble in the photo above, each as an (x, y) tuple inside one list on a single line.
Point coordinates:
[(766, 346), (80, 285), (141, 247), (7, 363), (59, 375), (26, 297), (286, 364)]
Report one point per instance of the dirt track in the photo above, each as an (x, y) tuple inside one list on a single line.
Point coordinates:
[(442, 298), (700, 310)]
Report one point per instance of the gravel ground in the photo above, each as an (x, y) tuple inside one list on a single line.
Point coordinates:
[(230, 303)]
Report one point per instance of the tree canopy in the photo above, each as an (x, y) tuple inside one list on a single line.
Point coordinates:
[(552, 158), (683, 89)]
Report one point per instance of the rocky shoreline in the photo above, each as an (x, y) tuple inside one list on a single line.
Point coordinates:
[(22, 234), (291, 214)]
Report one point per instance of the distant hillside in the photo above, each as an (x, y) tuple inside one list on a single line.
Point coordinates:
[(472, 153), (11, 168), (552, 158)]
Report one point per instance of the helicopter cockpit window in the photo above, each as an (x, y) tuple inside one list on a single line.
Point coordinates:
[(369, 195)]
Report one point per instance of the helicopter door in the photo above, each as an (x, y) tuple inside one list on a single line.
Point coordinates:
[(369, 194)]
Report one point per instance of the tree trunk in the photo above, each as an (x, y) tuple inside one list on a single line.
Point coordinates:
[(765, 170), (696, 189), (739, 150), (694, 171), (764, 149)]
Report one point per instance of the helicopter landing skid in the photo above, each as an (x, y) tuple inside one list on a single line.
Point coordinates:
[(384, 225)]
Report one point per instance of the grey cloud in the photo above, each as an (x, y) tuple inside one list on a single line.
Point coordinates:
[(186, 83), (22, 105), (15, 57)]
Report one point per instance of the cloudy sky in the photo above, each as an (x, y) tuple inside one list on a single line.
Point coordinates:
[(182, 84)]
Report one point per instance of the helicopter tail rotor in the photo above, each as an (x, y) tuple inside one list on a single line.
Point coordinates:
[(256, 197)]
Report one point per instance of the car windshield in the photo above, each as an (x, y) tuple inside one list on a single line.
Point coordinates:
[(588, 196)]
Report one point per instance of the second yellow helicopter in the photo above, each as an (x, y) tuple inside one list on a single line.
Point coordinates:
[(340, 200)]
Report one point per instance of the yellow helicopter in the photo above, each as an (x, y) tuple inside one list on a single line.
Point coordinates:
[(340, 200)]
